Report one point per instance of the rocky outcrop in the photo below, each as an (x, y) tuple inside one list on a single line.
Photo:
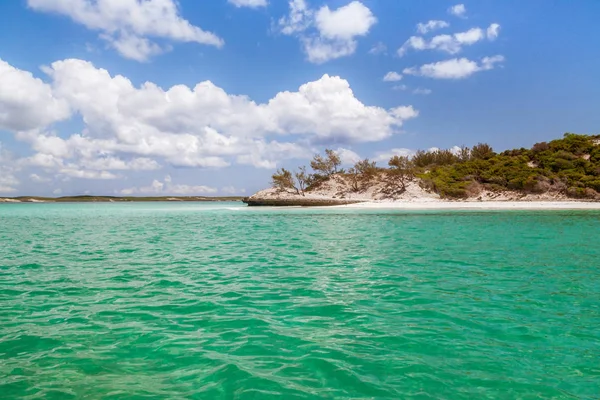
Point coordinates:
[(298, 201)]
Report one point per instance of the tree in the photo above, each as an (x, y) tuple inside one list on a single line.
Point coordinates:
[(362, 174), (334, 160), (327, 165), (302, 178), (482, 151), (283, 180), (402, 171), (464, 154)]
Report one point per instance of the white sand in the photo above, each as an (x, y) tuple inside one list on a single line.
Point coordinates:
[(475, 205)]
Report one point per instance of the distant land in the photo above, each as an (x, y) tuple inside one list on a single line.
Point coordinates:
[(111, 199), (562, 170)]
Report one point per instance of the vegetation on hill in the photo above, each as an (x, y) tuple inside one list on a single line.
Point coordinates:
[(569, 166)]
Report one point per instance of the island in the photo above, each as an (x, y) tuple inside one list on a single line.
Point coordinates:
[(559, 172)]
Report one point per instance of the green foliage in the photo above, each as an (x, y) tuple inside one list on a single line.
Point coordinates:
[(326, 165), (570, 165), (401, 171), (362, 174), (482, 151), (433, 158)]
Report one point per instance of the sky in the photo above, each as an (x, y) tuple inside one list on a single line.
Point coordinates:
[(188, 97)]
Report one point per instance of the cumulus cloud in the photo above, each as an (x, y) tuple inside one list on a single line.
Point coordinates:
[(431, 26), (128, 25), (392, 76), (353, 19), (450, 44), (249, 3), (140, 128), (458, 10), (167, 187), (456, 68), (404, 112), (327, 34), (347, 156), (385, 156), (27, 102), (8, 181)]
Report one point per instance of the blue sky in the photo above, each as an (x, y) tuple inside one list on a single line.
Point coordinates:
[(100, 96)]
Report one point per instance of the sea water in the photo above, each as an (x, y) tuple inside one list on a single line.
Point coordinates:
[(221, 301)]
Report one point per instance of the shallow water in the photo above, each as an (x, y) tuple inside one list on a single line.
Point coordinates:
[(164, 300)]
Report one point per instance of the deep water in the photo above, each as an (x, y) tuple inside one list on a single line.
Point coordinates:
[(219, 301)]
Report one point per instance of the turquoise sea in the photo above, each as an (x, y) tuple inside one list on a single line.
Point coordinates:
[(220, 301)]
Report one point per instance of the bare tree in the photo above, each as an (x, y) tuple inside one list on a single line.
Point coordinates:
[(362, 174), (283, 180), (325, 166), (333, 159), (302, 179), (401, 171)]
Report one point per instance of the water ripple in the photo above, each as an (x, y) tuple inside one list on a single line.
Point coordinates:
[(217, 301)]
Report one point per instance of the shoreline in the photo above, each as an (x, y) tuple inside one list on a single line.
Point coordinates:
[(473, 205)]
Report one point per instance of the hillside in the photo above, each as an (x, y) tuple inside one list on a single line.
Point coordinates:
[(562, 169)]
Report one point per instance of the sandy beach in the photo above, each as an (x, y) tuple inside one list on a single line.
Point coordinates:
[(474, 205)]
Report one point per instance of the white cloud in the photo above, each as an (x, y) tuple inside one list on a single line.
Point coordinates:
[(456, 68), (431, 26), (451, 44), (232, 190), (378, 48), (39, 179), (6, 189), (493, 31), (169, 188), (57, 191), (347, 22), (400, 87), (347, 156), (392, 76), (129, 128), (385, 156), (404, 112), (299, 18), (458, 10), (127, 25), (455, 150), (327, 34), (116, 164), (26, 102), (319, 50), (249, 3), (422, 91), (8, 180), (73, 171)]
